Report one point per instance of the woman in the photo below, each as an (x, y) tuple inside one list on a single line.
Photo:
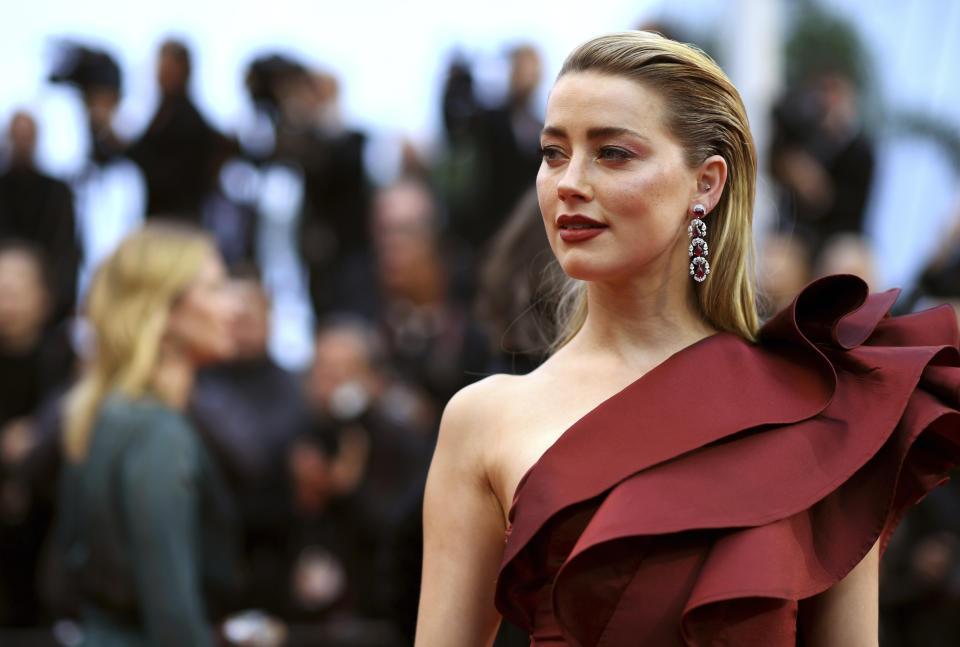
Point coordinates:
[(673, 475), (139, 500)]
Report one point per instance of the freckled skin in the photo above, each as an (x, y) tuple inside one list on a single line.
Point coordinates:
[(609, 156)]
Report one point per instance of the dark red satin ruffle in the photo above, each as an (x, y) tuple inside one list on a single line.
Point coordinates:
[(735, 479)]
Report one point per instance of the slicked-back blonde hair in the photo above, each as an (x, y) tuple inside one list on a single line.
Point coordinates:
[(705, 114), (128, 305)]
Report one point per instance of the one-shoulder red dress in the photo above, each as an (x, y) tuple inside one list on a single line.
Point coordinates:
[(697, 506)]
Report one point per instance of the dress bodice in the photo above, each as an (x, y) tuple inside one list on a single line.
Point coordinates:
[(699, 505), (564, 531)]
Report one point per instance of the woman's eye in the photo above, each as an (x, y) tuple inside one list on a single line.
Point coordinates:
[(613, 153), (551, 153)]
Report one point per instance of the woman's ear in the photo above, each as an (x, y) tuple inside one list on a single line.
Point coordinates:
[(711, 178)]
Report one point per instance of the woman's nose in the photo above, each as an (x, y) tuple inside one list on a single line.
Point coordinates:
[(574, 183)]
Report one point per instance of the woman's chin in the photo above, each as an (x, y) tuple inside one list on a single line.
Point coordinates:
[(215, 354), (582, 271)]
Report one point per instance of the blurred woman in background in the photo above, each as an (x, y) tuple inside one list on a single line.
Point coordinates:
[(141, 513)]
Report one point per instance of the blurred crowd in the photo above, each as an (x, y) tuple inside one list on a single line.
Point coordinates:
[(417, 287)]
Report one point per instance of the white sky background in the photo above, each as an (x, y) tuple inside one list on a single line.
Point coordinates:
[(390, 56)]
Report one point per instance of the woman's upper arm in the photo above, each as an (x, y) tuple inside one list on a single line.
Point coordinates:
[(463, 533), (846, 614)]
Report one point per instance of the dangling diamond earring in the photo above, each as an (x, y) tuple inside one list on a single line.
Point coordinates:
[(699, 266)]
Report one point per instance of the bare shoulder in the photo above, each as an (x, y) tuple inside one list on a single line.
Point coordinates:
[(479, 396), (496, 428), (478, 411)]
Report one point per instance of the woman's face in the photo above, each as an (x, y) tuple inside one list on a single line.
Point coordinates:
[(24, 302), (202, 321), (614, 189)]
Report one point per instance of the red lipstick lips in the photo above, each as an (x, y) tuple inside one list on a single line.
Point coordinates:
[(577, 228)]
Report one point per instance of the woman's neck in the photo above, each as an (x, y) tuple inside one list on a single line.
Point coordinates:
[(640, 323), (173, 378)]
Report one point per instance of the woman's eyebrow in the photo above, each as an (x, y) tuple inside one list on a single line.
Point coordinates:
[(612, 131), (553, 131), (598, 132)]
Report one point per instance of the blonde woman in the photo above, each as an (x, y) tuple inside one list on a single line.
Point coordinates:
[(673, 474), (138, 501)]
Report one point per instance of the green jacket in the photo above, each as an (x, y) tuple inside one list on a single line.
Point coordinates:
[(142, 523)]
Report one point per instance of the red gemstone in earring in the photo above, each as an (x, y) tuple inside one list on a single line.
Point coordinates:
[(699, 268), (697, 228)]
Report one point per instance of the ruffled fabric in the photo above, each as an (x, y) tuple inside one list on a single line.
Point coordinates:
[(699, 504)]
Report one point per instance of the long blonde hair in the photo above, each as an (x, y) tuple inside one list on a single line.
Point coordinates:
[(706, 116), (127, 305)]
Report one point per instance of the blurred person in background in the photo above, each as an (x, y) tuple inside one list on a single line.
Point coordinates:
[(39, 209), (494, 151), (849, 253), (783, 270), (460, 170), (518, 279), (142, 522), (939, 282), (109, 188), (822, 158), (920, 574), (96, 74), (247, 411), (356, 474), (512, 134), (35, 360), (351, 377), (178, 159), (180, 154), (312, 137), (431, 339), (520, 122)]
